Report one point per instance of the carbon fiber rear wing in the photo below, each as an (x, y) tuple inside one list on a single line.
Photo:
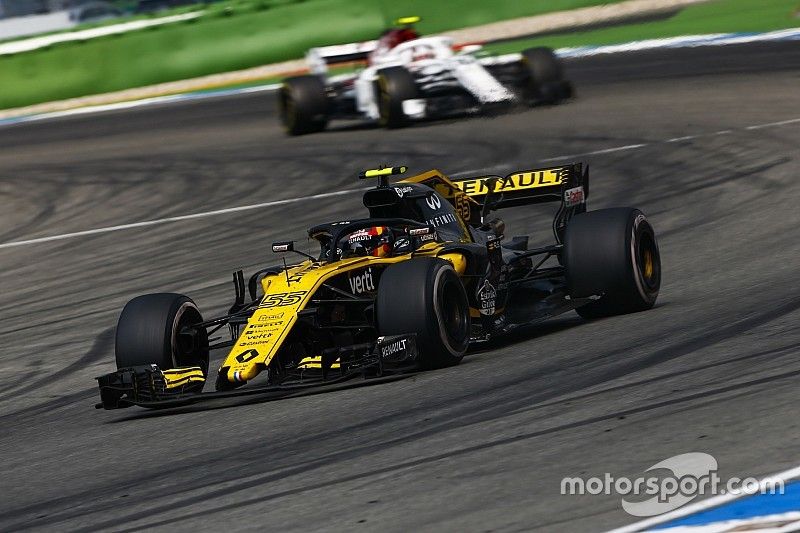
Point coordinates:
[(568, 184), (473, 198)]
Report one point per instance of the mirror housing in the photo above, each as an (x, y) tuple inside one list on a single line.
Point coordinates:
[(282, 246)]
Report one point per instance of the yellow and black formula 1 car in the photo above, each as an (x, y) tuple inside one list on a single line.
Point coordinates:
[(410, 287)]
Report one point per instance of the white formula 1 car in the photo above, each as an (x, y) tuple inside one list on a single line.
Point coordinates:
[(410, 78)]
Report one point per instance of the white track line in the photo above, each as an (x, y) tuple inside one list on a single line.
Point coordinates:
[(773, 124), (715, 501), (332, 194), (179, 218), (673, 140), (596, 152)]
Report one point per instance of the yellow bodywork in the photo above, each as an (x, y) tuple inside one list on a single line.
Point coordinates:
[(287, 293), (315, 362), (285, 296), (178, 377)]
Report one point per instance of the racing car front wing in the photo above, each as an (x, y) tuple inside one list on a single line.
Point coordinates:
[(150, 386)]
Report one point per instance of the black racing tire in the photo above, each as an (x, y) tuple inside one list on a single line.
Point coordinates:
[(612, 253), (425, 296), (148, 333), (394, 85), (303, 104), (545, 75)]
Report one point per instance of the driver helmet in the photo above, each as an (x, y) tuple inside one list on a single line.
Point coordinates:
[(395, 36), (376, 241)]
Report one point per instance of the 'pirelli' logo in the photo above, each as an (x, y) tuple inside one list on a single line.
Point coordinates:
[(515, 182)]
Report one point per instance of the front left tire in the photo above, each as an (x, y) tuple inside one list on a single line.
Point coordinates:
[(394, 86), (156, 329), (303, 105)]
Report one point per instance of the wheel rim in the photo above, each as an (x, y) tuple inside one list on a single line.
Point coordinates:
[(454, 314), (187, 316), (648, 262)]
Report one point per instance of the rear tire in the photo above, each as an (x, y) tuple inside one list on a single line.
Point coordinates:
[(148, 332), (545, 76), (395, 84), (303, 105), (425, 296), (613, 253)]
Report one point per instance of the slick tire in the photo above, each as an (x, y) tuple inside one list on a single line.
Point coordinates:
[(545, 76), (303, 105), (425, 296), (151, 331), (613, 253), (394, 85)]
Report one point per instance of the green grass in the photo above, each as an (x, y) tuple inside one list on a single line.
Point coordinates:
[(721, 16), (231, 35), (239, 34)]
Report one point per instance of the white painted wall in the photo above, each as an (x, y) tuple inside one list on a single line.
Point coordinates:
[(33, 24)]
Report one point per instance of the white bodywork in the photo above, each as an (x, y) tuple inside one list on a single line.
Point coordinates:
[(433, 62)]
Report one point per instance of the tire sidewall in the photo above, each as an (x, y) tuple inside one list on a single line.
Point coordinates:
[(148, 328), (393, 86), (545, 73), (604, 251), (412, 299), (454, 346), (641, 229), (303, 104)]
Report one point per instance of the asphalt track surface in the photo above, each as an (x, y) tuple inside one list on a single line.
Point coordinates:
[(482, 446)]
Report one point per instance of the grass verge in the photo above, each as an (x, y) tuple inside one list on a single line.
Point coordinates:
[(721, 16), (232, 35)]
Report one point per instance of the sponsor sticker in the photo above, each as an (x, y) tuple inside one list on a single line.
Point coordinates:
[(401, 244), (487, 297), (363, 282), (393, 348), (518, 181), (247, 355), (434, 202), (573, 197), (258, 335), (401, 191), (271, 316), (447, 218)]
